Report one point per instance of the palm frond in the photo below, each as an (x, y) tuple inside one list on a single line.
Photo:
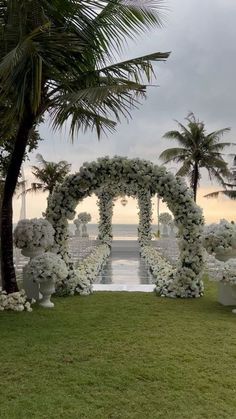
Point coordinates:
[(135, 67), (230, 194), (60, 58), (182, 139), (118, 19), (173, 154), (185, 169), (35, 187)]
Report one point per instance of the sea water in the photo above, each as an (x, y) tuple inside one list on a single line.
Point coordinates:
[(120, 231)]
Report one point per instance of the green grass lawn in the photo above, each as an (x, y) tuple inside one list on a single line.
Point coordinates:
[(120, 355)]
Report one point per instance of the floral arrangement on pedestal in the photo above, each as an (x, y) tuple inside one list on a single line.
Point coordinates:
[(219, 241), (83, 218), (77, 225), (86, 272), (172, 228), (225, 274), (224, 271), (120, 174), (46, 270), (219, 237), (165, 219), (36, 234), (16, 301)]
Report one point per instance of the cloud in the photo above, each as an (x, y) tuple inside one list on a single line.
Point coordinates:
[(199, 76)]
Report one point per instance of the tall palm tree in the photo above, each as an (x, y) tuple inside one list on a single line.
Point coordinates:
[(48, 174), (59, 57), (197, 150)]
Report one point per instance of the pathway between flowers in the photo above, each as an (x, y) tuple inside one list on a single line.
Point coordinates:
[(125, 270)]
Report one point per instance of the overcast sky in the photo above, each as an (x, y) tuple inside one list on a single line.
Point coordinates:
[(199, 76)]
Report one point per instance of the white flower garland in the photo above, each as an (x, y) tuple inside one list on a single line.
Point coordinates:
[(135, 176), (145, 217), (16, 301), (105, 205), (85, 274), (164, 273), (34, 233), (161, 270)]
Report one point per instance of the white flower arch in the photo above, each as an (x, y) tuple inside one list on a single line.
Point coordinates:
[(108, 177)]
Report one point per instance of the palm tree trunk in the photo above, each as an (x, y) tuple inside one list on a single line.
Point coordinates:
[(7, 266), (195, 180)]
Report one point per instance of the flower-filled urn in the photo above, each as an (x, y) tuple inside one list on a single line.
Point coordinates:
[(220, 240), (46, 270), (33, 236)]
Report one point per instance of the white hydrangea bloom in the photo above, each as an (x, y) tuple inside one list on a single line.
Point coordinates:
[(219, 237), (46, 267), (34, 233), (16, 301)]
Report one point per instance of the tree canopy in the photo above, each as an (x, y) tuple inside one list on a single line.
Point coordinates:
[(198, 149), (59, 58)]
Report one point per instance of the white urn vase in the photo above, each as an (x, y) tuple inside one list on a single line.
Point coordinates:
[(226, 295), (84, 231), (233, 287), (47, 288), (224, 255), (32, 252), (172, 231), (77, 232), (165, 232), (31, 288)]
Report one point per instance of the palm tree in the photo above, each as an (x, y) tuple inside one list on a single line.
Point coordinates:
[(49, 174), (197, 150), (59, 57)]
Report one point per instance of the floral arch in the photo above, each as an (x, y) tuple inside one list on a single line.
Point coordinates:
[(109, 177)]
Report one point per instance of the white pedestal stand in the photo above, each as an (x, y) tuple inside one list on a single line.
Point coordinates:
[(226, 292), (31, 288)]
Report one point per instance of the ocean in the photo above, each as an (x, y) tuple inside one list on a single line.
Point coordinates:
[(120, 231)]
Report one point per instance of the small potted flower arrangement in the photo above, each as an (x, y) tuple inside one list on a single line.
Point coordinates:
[(219, 240), (84, 218), (34, 236), (46, 270)]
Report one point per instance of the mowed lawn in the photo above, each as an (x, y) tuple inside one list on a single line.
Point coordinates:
[(120, 355)]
